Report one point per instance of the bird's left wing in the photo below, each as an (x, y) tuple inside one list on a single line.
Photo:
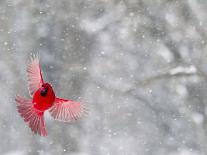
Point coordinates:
[(67, 110), (34, 75)]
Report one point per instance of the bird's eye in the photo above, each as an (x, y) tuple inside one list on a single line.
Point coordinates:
[(44, 91)]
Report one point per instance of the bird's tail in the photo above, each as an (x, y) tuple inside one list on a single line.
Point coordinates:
[(32, 116)]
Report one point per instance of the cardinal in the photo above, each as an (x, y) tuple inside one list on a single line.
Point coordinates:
[(43, 98)]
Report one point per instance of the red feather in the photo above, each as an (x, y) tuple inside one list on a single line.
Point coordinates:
[(67, 110), (32, 116), (34, 75)]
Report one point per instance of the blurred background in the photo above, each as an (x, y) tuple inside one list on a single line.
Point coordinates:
[(139, 65)]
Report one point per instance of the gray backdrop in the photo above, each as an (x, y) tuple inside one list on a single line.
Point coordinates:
[(139, 65)]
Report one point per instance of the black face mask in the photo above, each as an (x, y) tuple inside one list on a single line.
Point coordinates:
[(44, 92)]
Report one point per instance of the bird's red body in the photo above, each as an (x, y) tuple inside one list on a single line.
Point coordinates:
[(43, 103), (44, 98)]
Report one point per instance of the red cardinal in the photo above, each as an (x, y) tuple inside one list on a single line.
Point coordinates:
[(43, 98)]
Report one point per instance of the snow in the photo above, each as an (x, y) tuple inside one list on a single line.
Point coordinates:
[(139, 66), (180, 69)]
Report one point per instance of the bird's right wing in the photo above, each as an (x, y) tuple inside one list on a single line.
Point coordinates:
[(34, 75), (67, 110)]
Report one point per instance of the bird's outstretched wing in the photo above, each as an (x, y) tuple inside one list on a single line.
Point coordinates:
[(67, 110), (34, 75), (32, 116)]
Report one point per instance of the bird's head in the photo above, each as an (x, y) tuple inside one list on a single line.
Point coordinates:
[(44, 89)]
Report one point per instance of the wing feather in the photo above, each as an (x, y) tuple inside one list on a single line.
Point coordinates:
[(34, 118), (67, 110), (34, 75)]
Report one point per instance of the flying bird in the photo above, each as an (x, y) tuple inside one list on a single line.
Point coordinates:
[(43, 98)]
